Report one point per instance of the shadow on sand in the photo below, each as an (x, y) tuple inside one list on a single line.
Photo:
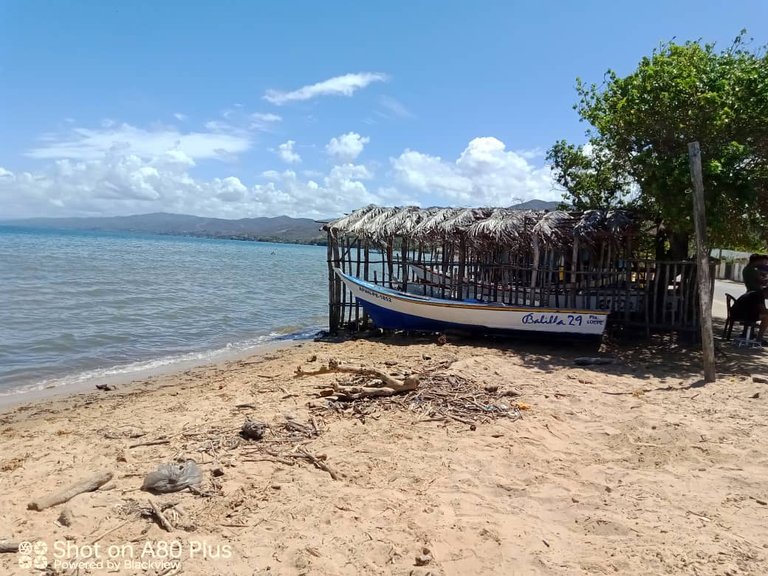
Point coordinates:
[(660, 356)]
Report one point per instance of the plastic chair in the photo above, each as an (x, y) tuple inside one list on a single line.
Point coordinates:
[(746, 335)]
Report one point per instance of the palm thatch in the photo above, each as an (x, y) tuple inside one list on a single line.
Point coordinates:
[(463, 219), (432, 225), (619, 222), (402, 222), (344, 224), (555, 229), (372, 225), (503, 226), (486, 226), (590, 223), (364, 226)]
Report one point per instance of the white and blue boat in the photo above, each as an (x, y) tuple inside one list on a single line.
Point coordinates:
[(394, 310)]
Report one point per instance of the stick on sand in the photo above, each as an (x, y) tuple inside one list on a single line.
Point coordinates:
[(87, 485), (6, 547)]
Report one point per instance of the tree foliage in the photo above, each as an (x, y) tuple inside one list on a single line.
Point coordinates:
[(641, 125), (590, 175)]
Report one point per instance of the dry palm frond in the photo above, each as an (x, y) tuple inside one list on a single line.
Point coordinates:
[(502, 226), (373, 225), (342, 225), (361, 226), (463, 219), (554, 228), (484, 227), (591, 224), (430, 227), (401, 223), (618, 221)]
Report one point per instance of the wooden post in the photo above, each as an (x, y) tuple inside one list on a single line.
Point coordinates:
[(702, 258), (332, 324)]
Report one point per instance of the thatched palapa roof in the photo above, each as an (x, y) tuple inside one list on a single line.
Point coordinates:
[(503, 226)]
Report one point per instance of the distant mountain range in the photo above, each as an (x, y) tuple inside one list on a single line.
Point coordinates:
[(536, 205), (277, 229)]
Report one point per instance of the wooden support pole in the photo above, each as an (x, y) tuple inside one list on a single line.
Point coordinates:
[(702, 258), (332, 325)]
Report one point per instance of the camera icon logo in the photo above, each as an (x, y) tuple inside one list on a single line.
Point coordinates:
[(33, 554)]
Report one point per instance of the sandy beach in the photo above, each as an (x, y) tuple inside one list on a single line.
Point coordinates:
[(627, 468)]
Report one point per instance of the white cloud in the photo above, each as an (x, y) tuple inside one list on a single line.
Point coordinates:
[(127, 170), (262, 122), (91, 144), (484, 174), (394, 107), (268, 117), (238, 121), (345, 85), (350, 172), (346, 147), (287, 153), (180, 117), (119, 185)]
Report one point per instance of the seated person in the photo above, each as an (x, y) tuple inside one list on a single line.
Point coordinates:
[(750, 309), (755, 273)]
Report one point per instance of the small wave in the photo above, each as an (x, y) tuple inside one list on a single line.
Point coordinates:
[(154, 365)]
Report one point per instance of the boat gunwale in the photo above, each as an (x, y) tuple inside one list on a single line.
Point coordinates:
[(444, 303)]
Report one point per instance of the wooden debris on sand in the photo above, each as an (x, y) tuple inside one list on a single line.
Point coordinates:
[(87, 485), (160, 517), (7, 546), (287, 443), (379, 384), (438, 395)]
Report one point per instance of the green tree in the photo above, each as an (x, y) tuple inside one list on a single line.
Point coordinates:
[(642, 124), (591, 176)]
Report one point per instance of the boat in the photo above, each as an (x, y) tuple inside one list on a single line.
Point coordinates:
[(428, 282), (394, 310)]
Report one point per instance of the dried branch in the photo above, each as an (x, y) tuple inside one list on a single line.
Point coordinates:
[(87, 485), (161, 519)]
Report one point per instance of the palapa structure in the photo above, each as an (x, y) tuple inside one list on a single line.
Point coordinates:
[(556, 259)]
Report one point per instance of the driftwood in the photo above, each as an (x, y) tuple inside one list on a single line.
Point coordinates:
[(87, 485), (150, 443), (391, 386), (439, 397), (7, 546), (113, 529), (161, 519), (318, 461)]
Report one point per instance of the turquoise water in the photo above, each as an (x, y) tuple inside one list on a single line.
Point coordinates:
[(82, 305)]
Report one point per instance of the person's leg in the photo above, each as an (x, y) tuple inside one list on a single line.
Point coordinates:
[(763, 324)]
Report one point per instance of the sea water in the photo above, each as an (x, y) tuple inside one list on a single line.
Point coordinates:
[(79, 306)]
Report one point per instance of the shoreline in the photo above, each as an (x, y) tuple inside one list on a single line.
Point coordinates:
[(84, 382)]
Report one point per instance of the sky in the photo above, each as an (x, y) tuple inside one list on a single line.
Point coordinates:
[(239, 108)]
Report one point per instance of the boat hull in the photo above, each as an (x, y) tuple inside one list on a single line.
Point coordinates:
[(395, 310)]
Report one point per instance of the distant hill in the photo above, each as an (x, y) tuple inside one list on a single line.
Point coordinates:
[(277, 229), (536, 205)]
